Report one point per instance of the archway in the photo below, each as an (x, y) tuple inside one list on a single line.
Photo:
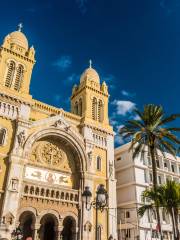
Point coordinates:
[(69, 230), (48, 229), (27, 222)]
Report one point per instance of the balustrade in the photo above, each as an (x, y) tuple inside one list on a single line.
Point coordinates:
[(62, 195)]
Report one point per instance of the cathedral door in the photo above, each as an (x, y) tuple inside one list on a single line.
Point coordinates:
[(47, 230), (68, 232)]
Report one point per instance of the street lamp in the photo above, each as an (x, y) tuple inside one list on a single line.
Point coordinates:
[(100, 202), (17, 234)]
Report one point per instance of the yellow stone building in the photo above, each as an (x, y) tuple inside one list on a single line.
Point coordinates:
[(48, 155)]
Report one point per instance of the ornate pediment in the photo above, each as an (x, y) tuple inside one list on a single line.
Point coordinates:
[(55, 121)]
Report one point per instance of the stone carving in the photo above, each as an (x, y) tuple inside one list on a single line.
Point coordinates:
[(21, 138), (51, 154), (63, 179), (8, 219), (50, 178), (111, 170), (36, 174), (90, 157), (14, 184), (57, 123), (88, 227)]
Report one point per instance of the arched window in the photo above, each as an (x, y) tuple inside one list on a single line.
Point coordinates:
[(2, 136), (10, 74), (94, 108), (98, 163), (76, 108), (99, 232), (100, 111), (19, 78), (80, 107)]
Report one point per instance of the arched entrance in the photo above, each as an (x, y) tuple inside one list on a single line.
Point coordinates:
[(48, 229), (69, 229), (27, 222)]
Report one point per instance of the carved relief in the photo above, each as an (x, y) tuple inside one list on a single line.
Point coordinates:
[(14, 184), (90, 157), (111, 168), (21, 138), (51, 154), (8, 219)]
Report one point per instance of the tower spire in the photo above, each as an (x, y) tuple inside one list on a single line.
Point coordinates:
[(90, 63), (20, 26)]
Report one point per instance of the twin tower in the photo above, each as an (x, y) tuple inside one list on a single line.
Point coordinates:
[(89, 99)]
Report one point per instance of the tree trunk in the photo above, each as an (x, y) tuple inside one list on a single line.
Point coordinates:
[(173, 224), (176, 224), (155, 184)]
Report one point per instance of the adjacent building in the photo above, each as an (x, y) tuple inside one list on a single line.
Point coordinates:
[(133, 177), (48, 155)]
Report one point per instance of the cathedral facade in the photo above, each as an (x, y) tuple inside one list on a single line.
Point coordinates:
[(48, 156)]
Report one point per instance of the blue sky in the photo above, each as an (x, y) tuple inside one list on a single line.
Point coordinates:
[(134, 46)]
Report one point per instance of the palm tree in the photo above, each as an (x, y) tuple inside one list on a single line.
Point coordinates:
[(150, 131), (151, 200), (170, 199)]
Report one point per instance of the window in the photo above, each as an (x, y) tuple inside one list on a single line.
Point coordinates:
[(19, 78), (99, 232), (10, 74), (150, 176), (2, 136), (165, 164), (76, 108), (172, 168), (149, 161), (159, 179), (145, 177), (94, 108), (98, 167), (128, 233), (127, 214), (157, 163), (118, 159), (154, 214), (154, 234), (80, 107), (100, 111)]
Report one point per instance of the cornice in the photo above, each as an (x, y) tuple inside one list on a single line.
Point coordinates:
[(100, 129), (14, 98), (18, 55)]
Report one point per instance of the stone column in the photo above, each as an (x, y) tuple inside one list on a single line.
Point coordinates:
[(59, 230), (36, 229)]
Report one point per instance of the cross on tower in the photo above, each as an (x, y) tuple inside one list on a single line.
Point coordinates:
[(20, 26), (90, 63)]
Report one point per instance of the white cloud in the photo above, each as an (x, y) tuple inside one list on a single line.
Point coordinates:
[(127, 94), (119, 127), (73, 77), (119, 139), (123, 107), (63, 63), (136, 117)]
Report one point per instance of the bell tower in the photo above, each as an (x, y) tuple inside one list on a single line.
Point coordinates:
[(16, 64), (90, 98)]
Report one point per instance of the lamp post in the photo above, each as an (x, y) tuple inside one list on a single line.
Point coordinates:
[(17, 234), (100, 202)]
